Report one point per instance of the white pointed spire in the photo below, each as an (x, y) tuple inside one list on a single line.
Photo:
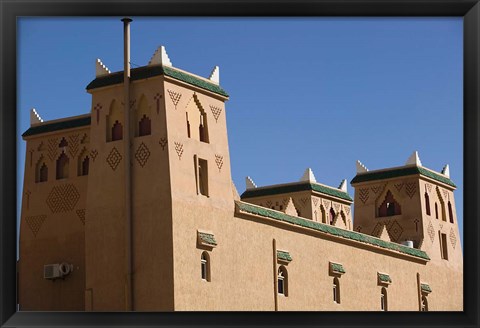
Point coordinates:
[(308, 176), (100, 68), (160, 57), (446, 171), (343, 185), (361, 168), (414, 159), (250, 184), (34, 117), (215, 75)]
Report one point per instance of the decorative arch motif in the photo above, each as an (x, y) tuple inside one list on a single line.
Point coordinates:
[(83, 163), (197, 123), (41, 170), (442, 205), (114, 121), (62, 166), (389, 207), (143, 124)]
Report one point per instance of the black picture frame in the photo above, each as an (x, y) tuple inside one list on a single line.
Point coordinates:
[(10, 10)]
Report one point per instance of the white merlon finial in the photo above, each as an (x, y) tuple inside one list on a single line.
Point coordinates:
[(100, 68), (308, 176), (34, 117), (446, 171), (160, 57), (361, 168), (250, 184), (343, 185), (215, 75), (414, 159)]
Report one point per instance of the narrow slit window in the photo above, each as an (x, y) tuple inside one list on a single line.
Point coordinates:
[(282, 281), (424, 303), (443, 246), (427, 203), (336, 290), (203, 177), (383, 299), (331, 216), (436, 210), (85, 166), (188, 126), (205, 266), (450, 212), (62, 166)]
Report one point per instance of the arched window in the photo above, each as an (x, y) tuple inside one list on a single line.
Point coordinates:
[(450, 212), (63, 143), (324, 217), (424, 303), (84, 165), (282, 281), (62, 166), (383, 300), (144, 126), (117, 131), (436, 210), (205, 266), (331, 216), (202, 128), (427, 203), (41, 171), (188, 126), (336, 290), (389, 206)]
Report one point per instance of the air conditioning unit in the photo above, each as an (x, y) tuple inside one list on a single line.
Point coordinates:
[(57, 270)]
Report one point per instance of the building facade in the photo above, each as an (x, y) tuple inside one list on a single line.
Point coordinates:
[(153, 222)]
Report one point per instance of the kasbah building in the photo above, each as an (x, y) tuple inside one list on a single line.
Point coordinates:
[(144, 216)]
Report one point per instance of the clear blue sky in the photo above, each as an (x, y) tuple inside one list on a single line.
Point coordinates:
[(304, 92)]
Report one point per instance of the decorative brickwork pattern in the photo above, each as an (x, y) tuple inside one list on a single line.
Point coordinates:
[(157, 98), (52, 148), (142, 154), (363, 195), (175, 97), (429, 187), (445, 194), (219, 162), (216, 111), (73, 144), (63, 198), (337, 207), (377, 230), (399, 186), (416, 221), (269, 203), (395, 231), (81, 215), (303, 201), (163, 142), (179, 149), (315, 201), (114, 158), (93, 154), (27, 198), (358, 228), (346, 209), (453, 238), (410, 189), (285, 202), (41, 146), (326, 203), (431, 231), (35, 223), (376, 189)]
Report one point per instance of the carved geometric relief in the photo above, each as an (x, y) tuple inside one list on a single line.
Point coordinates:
[(429, 187), (269, 203), (337, 207), (285, 202), (326, 204), (179, 149), (163, 142), (63, 198), (114, 158), (315, 201), (219, 162), (81, 215), (346, 209), (431, 231), (363, 195), (395, 231), (93, 154), (74, 141), (142, 154), (35, 223), (303, 201), (398, 186), (445, 194), (453, 238), (175, 96), (216, 112), (52, 148), (376, 189), (410, 189), (358, 229), (377, 229)]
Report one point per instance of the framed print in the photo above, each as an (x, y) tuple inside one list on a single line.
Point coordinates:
[(267, 163)]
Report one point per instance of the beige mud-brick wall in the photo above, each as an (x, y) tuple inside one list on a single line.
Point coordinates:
[(52, 222)]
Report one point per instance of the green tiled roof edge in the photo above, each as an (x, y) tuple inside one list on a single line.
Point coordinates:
[(294, 188), (150, 71), (384, 277), (338, 268), (401, 172), (284, 256), (208, 238), (249, 208), (426, 288), (56, 126)]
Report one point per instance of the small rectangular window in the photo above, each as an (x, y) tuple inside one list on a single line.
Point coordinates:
[(443, 246)]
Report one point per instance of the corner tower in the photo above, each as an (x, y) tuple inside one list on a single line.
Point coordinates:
[(181, 181)]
